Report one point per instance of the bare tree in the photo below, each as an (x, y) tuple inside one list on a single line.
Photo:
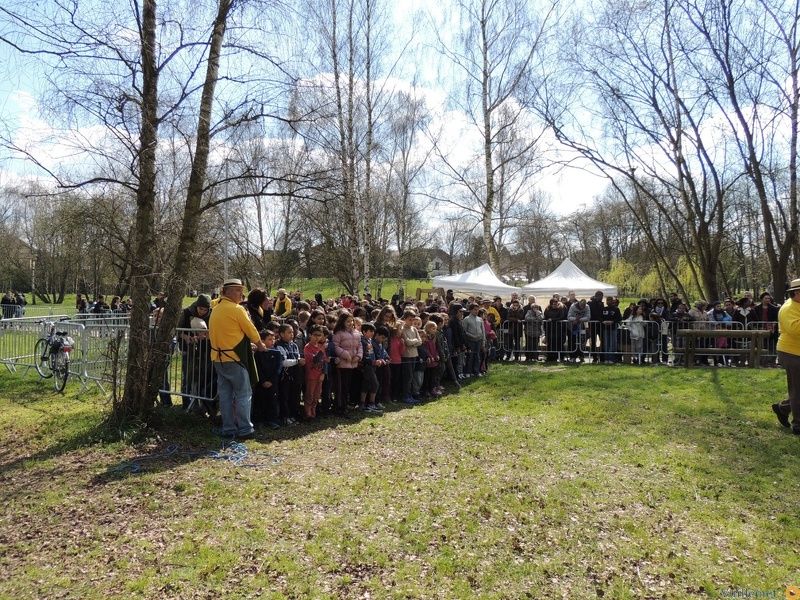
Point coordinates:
[(454, 235), (750, 64), (536, 236), (644, 120), (496, 55), (406, 160), (143, 71)]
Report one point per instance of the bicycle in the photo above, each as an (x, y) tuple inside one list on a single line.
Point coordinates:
[(52, 356)]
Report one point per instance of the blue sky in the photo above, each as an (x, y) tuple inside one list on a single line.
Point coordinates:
[(570, 188)]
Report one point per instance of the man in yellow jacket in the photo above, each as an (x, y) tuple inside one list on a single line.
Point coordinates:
[(789, 357), (283, 305), (231, 333)]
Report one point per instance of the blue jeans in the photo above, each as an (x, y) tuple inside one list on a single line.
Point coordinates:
[(473, 358), (609, 343), (233, 386)]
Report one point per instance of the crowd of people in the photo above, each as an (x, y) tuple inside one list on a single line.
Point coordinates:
[(13, 304), (99, 306), (307, 359)]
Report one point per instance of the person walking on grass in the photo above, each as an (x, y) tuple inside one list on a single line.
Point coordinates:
[(789, 357), (231, 333)]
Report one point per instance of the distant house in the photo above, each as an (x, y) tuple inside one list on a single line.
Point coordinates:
[(438, 263)]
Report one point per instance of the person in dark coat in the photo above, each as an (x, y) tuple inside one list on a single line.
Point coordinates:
[(765, 316)]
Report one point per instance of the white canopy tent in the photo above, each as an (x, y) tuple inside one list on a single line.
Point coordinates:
[(569, 278), (480, 281)]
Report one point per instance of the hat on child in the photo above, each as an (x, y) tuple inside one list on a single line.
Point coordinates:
[(203, 301)]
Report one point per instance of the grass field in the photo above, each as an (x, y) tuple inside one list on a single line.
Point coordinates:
[(534, 482)]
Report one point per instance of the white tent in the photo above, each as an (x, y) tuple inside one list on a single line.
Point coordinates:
[(569, 278), (481, 281)]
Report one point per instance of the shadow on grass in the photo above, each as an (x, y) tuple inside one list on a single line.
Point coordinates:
[(184, 438), (56, 432)]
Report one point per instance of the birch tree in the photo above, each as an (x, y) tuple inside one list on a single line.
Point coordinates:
[(496, 54)]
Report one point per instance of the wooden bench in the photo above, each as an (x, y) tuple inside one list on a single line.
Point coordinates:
[(756, 339)]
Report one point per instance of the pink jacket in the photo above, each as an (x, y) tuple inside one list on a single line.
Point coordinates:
[(396, 348), (347, 343), (490, 334), (433, 353)]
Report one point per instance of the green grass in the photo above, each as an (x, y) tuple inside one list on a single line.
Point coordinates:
[(534, 482)]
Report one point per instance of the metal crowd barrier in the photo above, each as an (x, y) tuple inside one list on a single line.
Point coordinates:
[(103, 349), (101, 352), (769, 352), (560, 340), (100, 344), (190, 374), (18, 338), (10, 311)]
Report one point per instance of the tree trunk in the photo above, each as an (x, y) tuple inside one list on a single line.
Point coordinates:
[(150, 362), (488, 207), (136, 399)]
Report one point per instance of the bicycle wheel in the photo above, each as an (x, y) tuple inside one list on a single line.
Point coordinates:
[(60, 370), (41, 358)]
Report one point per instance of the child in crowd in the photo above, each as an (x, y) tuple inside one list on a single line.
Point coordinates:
[(380, 342), (430, 384), (370, 361), (491, 335), (457, 313), (329, 383), (444, 354), (411, 342), (292, 378), (483, 314), (347, 344), (265, 407), (355, 384), (421, 363), (315, 359), (636, 326), (396, 349), (447, 332), (317, 317)]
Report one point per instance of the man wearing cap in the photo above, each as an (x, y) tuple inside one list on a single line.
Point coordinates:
[(283, 305), (231, 333), (789, 356)]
